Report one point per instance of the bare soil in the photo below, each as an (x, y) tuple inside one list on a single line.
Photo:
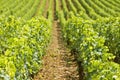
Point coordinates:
[(46, 9), (58, 63), (37, 9)]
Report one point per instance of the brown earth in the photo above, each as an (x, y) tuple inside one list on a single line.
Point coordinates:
[(58, 63), (37, 9), (46, 9)]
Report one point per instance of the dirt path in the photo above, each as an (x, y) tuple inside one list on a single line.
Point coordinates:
[(37, 8), (58, 63), (46, 9)]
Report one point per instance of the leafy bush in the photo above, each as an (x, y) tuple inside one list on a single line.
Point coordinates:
[(22, 45), (90, 48)]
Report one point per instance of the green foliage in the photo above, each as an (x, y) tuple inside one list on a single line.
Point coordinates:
[(22, 45), (19, 8), (86, 38), (110, 29)]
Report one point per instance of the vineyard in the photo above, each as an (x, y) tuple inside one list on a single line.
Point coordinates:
[(59, 39)]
